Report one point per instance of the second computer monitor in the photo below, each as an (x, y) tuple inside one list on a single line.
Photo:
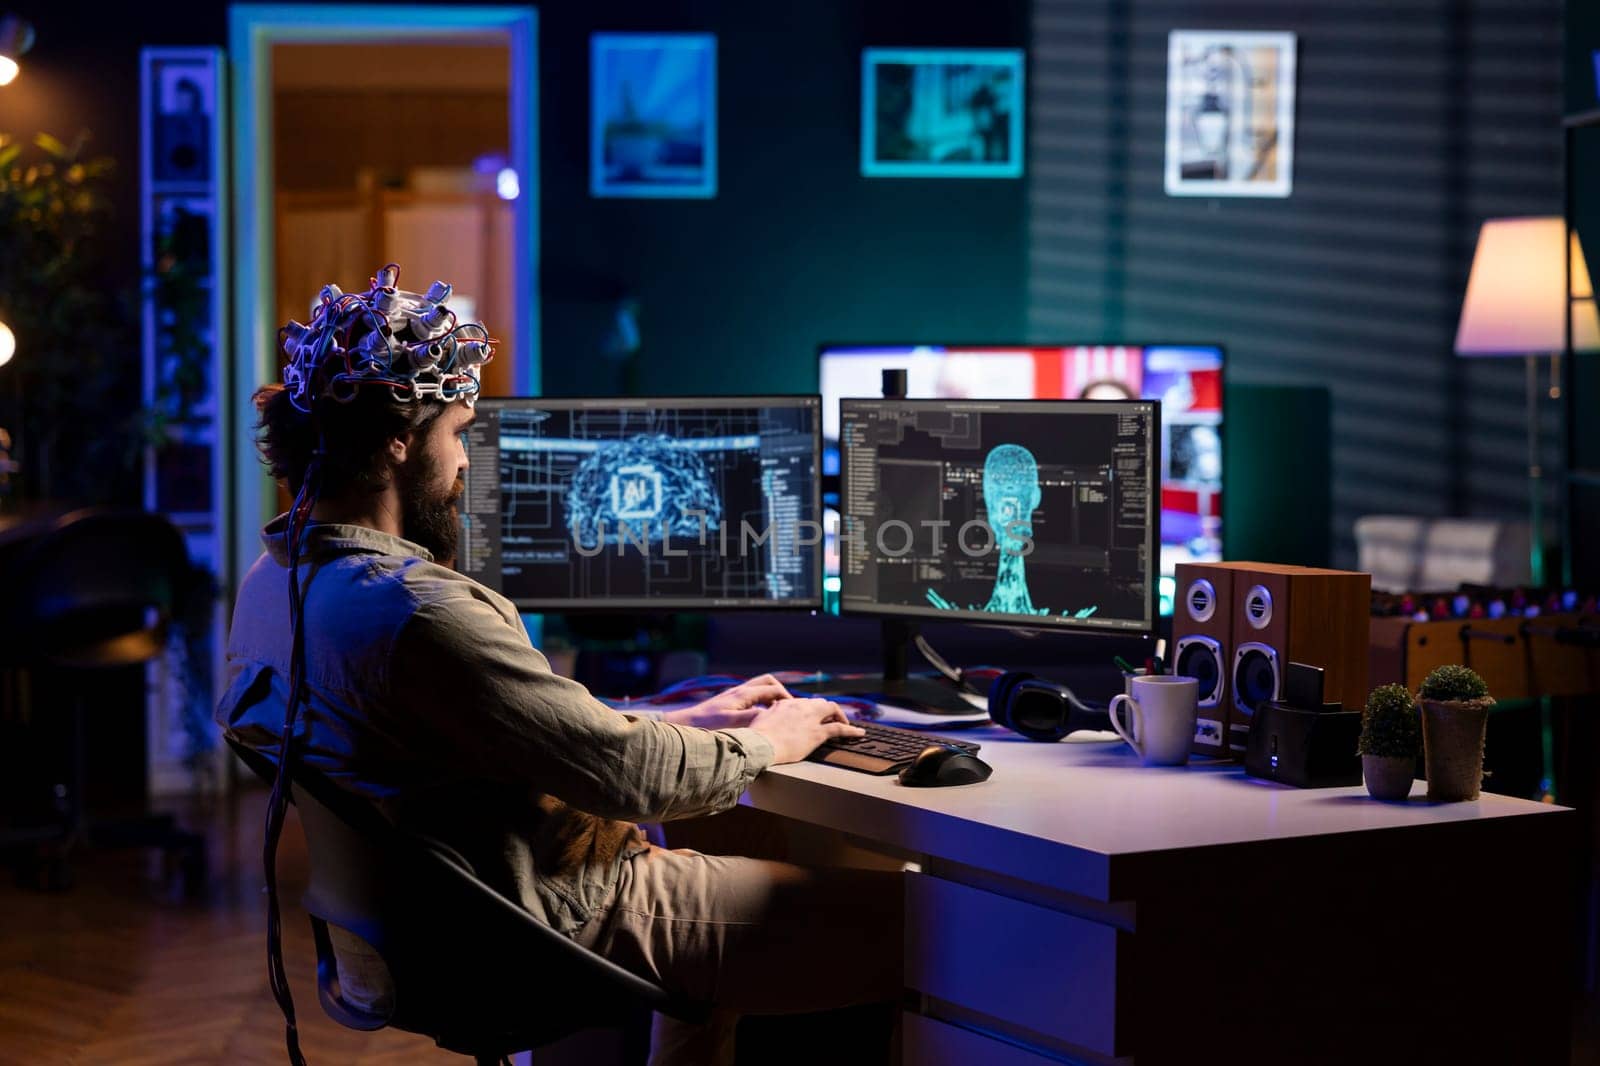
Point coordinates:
[(1185, 378), (1031, 513), (659, 503)]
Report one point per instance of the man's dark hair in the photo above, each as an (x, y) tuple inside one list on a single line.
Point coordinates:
[(354, 435)]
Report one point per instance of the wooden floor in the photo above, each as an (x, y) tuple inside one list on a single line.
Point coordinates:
[(119, 970)]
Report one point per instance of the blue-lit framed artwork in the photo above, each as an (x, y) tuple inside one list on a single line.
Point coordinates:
[(942, 113), (653, 115)]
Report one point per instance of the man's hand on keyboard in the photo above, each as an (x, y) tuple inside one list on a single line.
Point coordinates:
[(796, 726), (732, 707)]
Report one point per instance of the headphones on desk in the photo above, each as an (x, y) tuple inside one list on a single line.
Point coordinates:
[(1040, 710)]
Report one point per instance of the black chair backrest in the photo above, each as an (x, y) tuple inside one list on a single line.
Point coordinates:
[(96, 589), (470, 968)]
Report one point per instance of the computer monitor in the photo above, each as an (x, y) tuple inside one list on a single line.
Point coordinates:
[(1033, 513), (1185, 378), (645, 503)]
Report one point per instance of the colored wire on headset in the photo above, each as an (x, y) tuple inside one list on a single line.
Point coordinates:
[(277, 805)]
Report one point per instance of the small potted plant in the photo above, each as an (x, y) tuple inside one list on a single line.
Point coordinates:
[(1455, 716), (1390, 736)]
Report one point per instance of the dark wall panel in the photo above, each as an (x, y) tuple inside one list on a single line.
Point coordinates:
[(735, 293), (1414, 122)]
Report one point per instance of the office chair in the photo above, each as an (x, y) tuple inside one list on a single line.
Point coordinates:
[(95, 590), (471, 969)]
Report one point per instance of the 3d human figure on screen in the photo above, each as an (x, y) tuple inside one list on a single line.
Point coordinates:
[(1010, 496)]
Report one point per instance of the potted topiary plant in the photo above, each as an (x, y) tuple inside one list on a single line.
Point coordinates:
[(1390, 736), (1455, 716)]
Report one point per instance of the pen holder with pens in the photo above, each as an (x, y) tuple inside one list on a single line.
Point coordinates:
[(1129, 671)]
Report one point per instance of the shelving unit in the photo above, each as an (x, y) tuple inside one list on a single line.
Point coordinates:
[(183, 190)]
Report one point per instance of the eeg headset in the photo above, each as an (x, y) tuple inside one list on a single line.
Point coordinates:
[(1039, 709), (408, 341), (411, 345)]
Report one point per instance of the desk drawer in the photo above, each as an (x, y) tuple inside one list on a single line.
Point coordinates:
[(1016, 962), (931, 1043)]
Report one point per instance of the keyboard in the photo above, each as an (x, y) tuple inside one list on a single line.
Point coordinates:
[(884, 750)]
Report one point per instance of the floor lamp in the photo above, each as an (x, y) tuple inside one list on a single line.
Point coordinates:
[(1516, 297)]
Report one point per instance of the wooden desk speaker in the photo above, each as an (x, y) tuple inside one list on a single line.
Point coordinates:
[(1238, 626)]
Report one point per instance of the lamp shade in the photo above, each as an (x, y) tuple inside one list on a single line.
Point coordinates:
[(1514, 298)]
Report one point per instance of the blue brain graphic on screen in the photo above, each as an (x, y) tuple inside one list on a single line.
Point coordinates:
[(641, 490)]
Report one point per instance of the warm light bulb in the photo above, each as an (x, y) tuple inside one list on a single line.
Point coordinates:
[(8, 344), (8, 70)]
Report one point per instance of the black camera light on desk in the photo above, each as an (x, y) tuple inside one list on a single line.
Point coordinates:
[(1302, 741)]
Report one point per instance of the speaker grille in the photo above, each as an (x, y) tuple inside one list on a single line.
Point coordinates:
[(1258, 607), (1201, 600), (1256, 677), (1201, 659)]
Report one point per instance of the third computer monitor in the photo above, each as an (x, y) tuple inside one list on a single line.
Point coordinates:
[(1033, 513), (1185, 378), (645, 504)]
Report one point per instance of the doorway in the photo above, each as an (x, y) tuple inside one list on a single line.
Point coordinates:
[(363, 135)]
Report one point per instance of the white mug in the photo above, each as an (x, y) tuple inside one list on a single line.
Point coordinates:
[(1163, 718)]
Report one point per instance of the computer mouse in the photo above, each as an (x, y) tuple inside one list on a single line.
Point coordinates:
[(942, 764)]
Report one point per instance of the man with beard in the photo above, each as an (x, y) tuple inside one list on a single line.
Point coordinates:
[(423, 694)]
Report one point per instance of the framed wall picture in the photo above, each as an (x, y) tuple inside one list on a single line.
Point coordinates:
[(945, 113), (184, 108), (1230, 113), (653, 115)]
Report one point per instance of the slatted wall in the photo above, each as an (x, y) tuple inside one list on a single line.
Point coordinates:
[(1415, 120)]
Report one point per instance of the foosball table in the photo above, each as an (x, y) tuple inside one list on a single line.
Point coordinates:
[(1524, 643)]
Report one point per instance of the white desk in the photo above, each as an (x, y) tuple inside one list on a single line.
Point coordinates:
[(1079, 907)]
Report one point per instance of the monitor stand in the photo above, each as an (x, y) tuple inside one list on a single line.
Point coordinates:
[(925, 694)]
